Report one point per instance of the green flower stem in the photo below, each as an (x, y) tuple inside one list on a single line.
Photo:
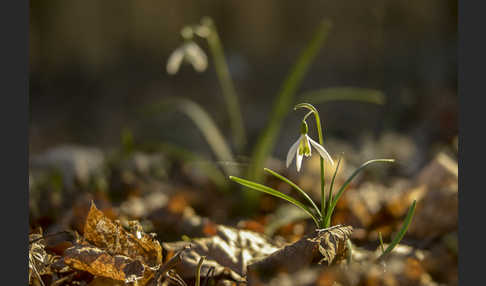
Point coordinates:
[(321, 140), (227, 86)]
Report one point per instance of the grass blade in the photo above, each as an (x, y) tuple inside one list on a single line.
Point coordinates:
[(346, 183), (275, 193), (329, 199), (306, 196), (205, 124), (367, 95), (403, 230), (381, 243), (284, 100)]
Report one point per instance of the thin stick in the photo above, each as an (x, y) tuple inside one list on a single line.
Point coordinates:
[(173, 262), (198, 270)]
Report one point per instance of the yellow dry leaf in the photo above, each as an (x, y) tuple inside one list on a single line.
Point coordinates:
[(112, 237)]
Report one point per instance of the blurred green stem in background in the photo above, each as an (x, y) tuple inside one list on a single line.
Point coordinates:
[(357, 94), (227, 86), (283, 103), (206, 125)]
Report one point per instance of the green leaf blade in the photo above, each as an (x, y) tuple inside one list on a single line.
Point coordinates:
[(275, 193), (292, 184), (329, 199), (346, 183), (204, 123), (403, 229)]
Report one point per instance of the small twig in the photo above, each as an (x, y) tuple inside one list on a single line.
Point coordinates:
[(38, 275), (49, 235), (209, 275), (329, 228), (381, 243), (63, 279), (198, 270), (350, 251), (174, 277), (173, 262)]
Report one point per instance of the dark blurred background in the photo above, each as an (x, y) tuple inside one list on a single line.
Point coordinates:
[(94, 64)]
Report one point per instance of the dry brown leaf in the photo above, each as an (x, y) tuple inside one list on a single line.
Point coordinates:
[(112, 237), (437, 208), (37, 257), (103, 281), (230, 251), (327, 245), (332, 242), (100, 263), (40, 259)]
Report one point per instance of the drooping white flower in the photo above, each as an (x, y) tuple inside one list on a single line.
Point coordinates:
[(189, 52), (302, 147)]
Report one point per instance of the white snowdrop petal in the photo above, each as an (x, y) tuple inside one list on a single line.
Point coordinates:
[(175, 60), (298, 161), (196, 56), (324, 154), (291, 153)]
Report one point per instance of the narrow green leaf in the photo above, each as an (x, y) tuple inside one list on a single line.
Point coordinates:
[(306, 196), (329, 199), (275, 193), (381, 243), (346, 94), (403, 229), (284, 100), (206, 125), (346, 183)]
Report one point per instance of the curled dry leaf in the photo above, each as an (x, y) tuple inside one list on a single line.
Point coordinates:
[(112, 237), (332, 242), (37, 257), (326, 244), (113, 252), (230, 252), (100, 263)]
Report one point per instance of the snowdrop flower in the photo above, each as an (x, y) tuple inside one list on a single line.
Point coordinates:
[(189, 52), (302, 147)]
